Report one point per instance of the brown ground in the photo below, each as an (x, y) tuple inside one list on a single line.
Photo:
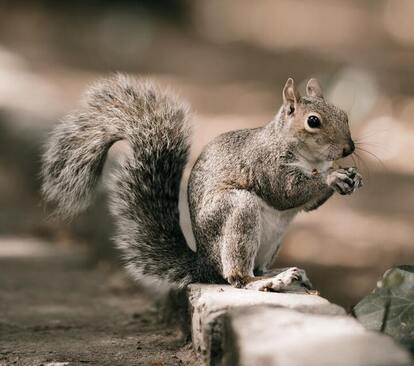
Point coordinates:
[(56, 311)]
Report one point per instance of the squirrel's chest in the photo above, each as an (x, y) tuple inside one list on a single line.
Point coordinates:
[(273, 225)]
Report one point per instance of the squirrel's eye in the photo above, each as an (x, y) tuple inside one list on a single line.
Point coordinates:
[(314, 122)]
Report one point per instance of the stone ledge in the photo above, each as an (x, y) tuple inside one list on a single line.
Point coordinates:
[(240, 327), (271, 336)]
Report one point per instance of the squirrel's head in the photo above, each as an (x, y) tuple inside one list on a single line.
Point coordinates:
[(320, 129)]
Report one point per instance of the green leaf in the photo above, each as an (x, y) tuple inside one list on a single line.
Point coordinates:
[(390, 306)]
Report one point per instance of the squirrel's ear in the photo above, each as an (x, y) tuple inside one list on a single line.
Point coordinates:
[(313, 89), (291, 96)]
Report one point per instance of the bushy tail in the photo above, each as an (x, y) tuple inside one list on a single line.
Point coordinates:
[(145, 189)]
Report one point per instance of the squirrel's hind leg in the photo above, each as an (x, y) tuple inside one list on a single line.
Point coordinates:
[(240, 236), (239, 216)]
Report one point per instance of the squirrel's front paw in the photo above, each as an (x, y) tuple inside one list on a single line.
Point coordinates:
[(345, 180)]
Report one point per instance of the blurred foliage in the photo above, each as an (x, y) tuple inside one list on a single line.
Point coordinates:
[(169, 9), (390, 307)]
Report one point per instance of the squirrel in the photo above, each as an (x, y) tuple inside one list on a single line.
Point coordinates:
[(243, 191)]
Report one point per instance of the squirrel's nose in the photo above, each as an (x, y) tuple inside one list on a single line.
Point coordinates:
[(348, 149)]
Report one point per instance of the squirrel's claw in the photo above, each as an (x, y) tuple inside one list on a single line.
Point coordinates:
[(345, 180)]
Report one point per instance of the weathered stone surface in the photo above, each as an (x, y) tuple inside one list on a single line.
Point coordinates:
[(240, 327), (275, 336), (208, 302)]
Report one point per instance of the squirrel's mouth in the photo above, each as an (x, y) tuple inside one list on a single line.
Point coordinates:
[(336, 156), (332, 153)]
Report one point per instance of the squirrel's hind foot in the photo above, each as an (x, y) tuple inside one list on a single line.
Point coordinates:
[(290, 280)]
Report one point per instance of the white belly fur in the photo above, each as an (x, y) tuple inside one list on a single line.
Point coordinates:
[(273, 224)]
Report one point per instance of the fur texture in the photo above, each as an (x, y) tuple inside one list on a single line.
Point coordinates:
[(144, 191), (282, 165), (243, 191)]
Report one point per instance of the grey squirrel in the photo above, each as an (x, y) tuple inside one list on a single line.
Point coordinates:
[(243, 191)]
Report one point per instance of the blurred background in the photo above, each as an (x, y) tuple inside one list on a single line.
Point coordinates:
[(230, 60)]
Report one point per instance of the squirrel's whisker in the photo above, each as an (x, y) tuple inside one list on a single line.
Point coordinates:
[(363, 163), (373, 155), (364, 142), (378, 147), (353, 160)]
